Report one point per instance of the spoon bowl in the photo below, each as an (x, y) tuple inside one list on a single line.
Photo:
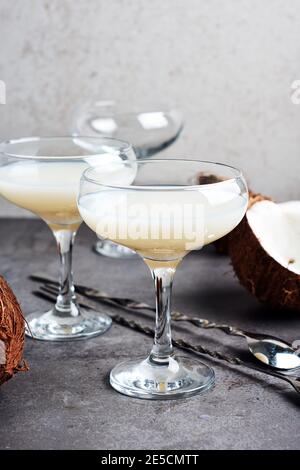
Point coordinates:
[(273, 352), (267, 349)]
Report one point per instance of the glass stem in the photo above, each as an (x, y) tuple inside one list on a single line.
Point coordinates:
[(162, 348), (66, 301)]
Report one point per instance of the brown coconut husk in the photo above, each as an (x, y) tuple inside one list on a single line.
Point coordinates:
[(12, 334), (256, 270), (204, 178)]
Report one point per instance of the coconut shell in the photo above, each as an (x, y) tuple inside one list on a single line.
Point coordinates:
[(222, 245), (204, 178), (12, 334), (256, 270)]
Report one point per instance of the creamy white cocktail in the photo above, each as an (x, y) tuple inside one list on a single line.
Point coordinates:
[(43, 176), (48, 189), (164, 224)]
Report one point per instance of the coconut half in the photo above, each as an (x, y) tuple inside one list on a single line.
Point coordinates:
[(12, 332), (265, 252)]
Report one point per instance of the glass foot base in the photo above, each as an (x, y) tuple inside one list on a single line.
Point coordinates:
[(182, 377), (50, 327), (113, 250)]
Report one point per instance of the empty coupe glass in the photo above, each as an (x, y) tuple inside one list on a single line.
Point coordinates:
[(150, 129)]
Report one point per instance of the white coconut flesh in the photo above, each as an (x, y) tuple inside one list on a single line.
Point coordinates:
[(277, 227)]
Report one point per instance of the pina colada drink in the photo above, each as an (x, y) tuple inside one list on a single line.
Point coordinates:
[(42, 175), (48, 189), (164, 225)]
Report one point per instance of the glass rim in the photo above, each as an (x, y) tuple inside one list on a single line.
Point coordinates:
[(239, 174), (125, 110), (125, 147)]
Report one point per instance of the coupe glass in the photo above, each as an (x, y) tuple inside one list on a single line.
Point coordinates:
[(42, 175), (163, 214), (150, 129)]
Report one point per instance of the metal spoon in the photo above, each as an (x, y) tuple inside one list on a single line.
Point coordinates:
[(48, 293), (268, 349)]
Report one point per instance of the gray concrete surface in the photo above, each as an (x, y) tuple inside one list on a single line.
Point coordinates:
[(228, 64), (65, 401)]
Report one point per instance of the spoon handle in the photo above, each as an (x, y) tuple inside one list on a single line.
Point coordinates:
[(294, 381), (129, 304), (178, 342), (96, 295), (181, 343), (206, 324)]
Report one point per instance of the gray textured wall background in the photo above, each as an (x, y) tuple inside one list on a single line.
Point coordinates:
[(228, 64)]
